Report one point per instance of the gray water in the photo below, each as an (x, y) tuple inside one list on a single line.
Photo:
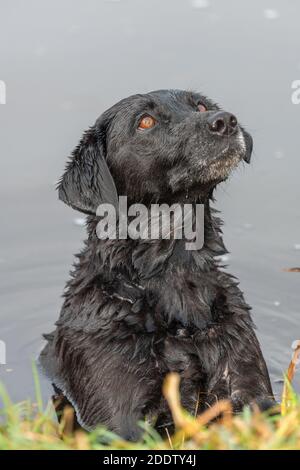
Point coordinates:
[(63, 63)]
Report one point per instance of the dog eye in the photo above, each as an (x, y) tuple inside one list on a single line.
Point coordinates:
[(147, 122), (201, 108)]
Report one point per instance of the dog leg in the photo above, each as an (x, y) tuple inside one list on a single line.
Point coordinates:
[(235, 366)]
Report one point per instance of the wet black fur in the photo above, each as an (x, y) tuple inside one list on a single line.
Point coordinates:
[(135, 310)]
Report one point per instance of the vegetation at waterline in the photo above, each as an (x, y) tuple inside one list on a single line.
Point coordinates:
[(28, 425)]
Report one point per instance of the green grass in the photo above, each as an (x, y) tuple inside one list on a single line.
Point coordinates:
[(28, 425)]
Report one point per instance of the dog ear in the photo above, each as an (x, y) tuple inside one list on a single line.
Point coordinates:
[(249, 146), (87, 181)]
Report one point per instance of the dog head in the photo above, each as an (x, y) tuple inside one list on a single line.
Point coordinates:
[(156, 147)]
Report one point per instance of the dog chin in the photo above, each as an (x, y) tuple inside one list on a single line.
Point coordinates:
[(229, 158), (221, 167)]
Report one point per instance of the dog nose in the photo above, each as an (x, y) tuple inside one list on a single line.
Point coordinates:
[(222, 123)]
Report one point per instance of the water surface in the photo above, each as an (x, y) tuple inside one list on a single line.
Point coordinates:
[(64, 62)]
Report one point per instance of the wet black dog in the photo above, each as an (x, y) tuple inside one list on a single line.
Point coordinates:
[(136, 309)]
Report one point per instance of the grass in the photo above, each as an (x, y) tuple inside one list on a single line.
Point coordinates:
[(28, 425)]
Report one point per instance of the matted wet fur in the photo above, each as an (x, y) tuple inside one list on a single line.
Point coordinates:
[(136, 309)]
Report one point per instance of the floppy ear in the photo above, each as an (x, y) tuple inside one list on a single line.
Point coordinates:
[(249, 146), (87, 181)]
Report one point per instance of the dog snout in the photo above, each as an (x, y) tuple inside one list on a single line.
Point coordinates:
[(222, 123)]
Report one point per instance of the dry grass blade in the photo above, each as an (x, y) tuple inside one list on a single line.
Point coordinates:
[(292, 270), (81, 441), (169, 438), (292, 367), (287, 392), (186, 422), (67, 421), (222, 407), (172, 395)]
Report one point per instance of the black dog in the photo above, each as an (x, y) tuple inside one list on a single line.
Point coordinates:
[(135, 310)]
